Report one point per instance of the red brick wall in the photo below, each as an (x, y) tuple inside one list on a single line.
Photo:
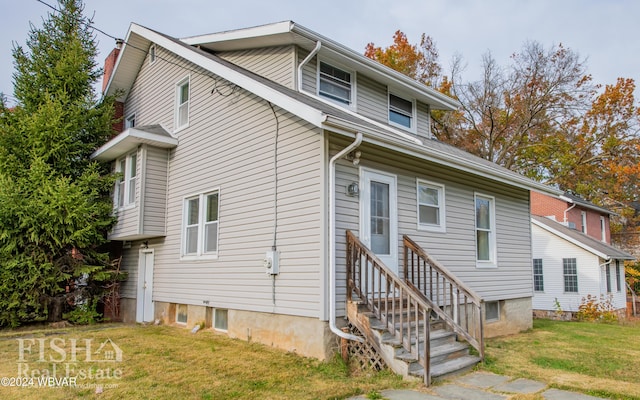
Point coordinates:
[(109, 64), (545, 206)]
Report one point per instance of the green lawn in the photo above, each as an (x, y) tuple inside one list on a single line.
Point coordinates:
[(160, 362), (598, 359)]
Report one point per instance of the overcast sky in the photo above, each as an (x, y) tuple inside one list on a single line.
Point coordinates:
[(606, 32)]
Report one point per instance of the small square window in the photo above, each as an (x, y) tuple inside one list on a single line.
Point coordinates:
[(492, 311), (181, 313), (130, 121), (221, 320)]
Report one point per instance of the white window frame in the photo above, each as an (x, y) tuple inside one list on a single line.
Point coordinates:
[(130, 121), (201, 225), (539, 275), (568, 262), (492, 261), (352, 84), (486, 305), (127, 183), (619, 276), (152, 54), (583, 220), (179, 124), (413, 117), (442, 226), (603, 232)]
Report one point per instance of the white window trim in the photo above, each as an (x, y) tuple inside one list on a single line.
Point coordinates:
[(493, 259), (603, 233), (200, 254), (126, 178), (352, 104), (178, 86), (127, 121), (441, 207), (414, 113), (540, 274), (152, 54), (583, 221)]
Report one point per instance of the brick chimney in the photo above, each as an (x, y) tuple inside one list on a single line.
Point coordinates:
[(110, 63)]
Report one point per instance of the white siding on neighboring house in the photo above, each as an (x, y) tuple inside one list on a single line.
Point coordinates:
[(552, 249), (229, 146), (275, 63), (455, 248)]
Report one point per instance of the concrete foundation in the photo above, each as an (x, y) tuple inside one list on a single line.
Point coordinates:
[(309, 337), (515, 316)]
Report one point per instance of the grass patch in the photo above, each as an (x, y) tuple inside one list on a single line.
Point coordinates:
[(598, 359), (162, 362)]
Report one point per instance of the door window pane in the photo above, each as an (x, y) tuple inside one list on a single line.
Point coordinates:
[(380, 222)]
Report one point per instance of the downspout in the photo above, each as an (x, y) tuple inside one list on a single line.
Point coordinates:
[(305, 61), (332, 240), (565, 213)]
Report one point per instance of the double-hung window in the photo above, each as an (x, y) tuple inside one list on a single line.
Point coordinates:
[(401, 112), (538, 277), (485, 231), (335, 84), (431, 211), (182, 103), (570, 272), (200, 232), (607, 272), (126, 184)]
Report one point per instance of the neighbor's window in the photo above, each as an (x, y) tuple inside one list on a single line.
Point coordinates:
[(181, 313), (603, 232), (538, 278), (335, 84), (570, 273), (200, 234), (126, 185), (221, 320), (492, 311), (431, 211), (401, 112), (618, 276), (583, 217), (182, 103), (607, 272), (485, 230)]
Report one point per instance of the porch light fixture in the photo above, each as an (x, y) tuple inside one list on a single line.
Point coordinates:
[(353, 189)]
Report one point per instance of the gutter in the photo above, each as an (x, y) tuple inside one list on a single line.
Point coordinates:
[(332, 240)]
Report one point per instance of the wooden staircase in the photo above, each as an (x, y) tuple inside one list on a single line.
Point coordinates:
[(416, 335)]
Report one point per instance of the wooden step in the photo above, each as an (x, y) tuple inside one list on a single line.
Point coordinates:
[(448, 368)]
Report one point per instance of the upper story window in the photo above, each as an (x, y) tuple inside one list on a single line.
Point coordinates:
[(603, 232), (182, 103), (485, 231), (126, 185), (431, 211), (200, 225), (130, 121), (583, 216), (335, 84), (401, 112)]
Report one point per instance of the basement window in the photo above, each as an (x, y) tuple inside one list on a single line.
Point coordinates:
[(492, 311), (181, 313), (221, 321)]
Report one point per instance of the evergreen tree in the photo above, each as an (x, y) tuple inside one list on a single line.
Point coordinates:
[(55, 207)]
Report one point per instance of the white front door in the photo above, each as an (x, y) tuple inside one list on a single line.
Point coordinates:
[(378, 216), (144, 303)]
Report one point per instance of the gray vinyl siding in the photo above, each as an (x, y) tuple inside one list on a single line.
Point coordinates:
[(373, 99), (455, 248), (229, 146), (154, 192), (275, 63)]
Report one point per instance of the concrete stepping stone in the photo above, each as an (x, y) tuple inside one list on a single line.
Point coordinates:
[(483, 380), (556, 394), (457, 392), (521, 386)]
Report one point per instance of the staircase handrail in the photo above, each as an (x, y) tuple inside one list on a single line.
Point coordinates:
[(476, 340), (396, 289)]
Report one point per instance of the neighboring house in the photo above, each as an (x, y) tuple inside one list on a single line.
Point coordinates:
[(574, 212), (569, 265), (246, 156)]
